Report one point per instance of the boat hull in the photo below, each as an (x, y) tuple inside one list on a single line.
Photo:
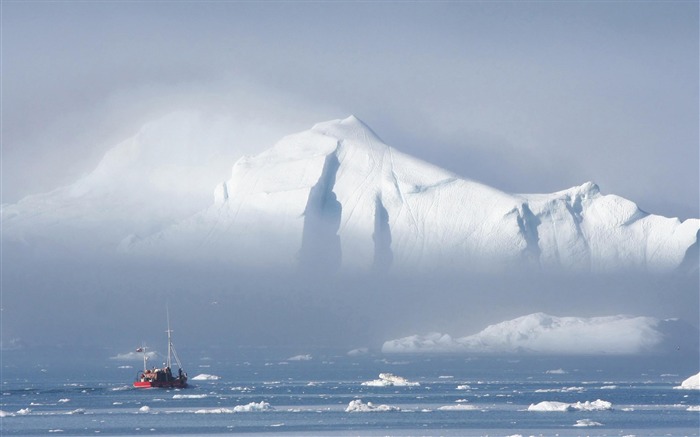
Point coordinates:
[(160, 384)]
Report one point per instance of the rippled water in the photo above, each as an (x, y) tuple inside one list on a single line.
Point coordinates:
[(454, 396)]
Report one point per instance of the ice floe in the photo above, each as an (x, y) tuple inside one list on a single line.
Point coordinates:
[(389, 379), (597, 405), (357, 406)]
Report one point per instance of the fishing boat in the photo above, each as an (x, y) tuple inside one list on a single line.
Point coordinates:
[(162, 377)]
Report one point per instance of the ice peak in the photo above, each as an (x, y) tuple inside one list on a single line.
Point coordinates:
[(348, 128), (588, 188), (584, 191)]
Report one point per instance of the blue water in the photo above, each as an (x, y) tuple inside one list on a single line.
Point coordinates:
[(310, 397)]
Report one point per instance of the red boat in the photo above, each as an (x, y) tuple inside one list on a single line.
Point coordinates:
[(162, 377)]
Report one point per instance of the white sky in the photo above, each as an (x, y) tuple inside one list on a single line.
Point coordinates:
[(524, 96)]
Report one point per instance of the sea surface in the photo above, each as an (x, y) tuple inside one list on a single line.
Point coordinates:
[(266, 392)]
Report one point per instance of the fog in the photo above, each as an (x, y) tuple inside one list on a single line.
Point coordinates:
[(531, 97), (525, 97), (114, 304)]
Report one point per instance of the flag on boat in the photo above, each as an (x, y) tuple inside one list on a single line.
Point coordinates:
[(139, 349)]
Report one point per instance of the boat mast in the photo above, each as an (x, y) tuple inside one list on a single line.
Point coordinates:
[(170, 341)]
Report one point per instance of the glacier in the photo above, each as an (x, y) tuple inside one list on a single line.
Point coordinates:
[(336, 197)]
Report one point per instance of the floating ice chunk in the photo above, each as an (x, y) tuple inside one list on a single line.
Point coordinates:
[(596, 405), (253, 406), (145, 409), (189, 396), (550, 406), (693, 408), (388, 380), (556, 372), (24, 411), (692, 383), (205, 377), (357, 406), (64, 400), (77, 411), (305, 357), (5, 414), (458, 407), (587, 422), (463, 387)]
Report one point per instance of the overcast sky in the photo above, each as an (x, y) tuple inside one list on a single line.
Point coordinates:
[(524, 96)]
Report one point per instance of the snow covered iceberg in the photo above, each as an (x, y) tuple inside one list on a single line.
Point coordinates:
[(543, 333)]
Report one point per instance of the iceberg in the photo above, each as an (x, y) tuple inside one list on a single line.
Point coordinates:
[(336, 197), (691, 383), (543, 333)]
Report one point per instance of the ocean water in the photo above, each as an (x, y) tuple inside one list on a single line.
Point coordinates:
[(265, 393)]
